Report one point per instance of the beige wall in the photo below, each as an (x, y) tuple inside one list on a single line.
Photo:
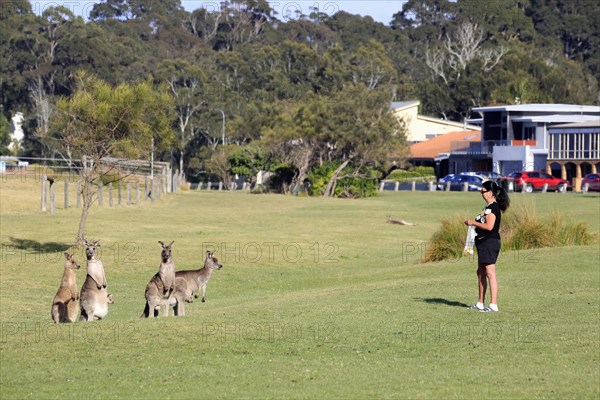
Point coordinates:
[(419, 127)]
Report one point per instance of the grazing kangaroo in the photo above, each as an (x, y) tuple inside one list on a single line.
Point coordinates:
[(161, 287), (65, 305), (94, 296), (189, 283)]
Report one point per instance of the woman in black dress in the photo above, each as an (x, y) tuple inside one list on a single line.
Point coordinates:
[(487, 242)]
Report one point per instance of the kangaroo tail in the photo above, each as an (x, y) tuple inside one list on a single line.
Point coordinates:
[(56, 313), (146, 312)]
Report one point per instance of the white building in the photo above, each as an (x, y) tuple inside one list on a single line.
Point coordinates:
[(16, 132), (517, 137)]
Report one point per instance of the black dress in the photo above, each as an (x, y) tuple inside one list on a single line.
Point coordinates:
[(488, 242)]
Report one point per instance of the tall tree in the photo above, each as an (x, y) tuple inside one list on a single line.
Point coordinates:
[(100, 121), (186, 83)]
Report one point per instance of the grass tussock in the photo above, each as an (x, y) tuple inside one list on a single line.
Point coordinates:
[(522, 228), (448, 242)]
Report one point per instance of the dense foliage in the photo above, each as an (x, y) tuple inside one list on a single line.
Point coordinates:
[(305, 91)]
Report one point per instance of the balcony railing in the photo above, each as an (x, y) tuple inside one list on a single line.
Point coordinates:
[(487, 147)]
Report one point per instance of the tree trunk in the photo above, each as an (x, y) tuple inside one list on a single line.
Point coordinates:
[(330, 188), (302, 161), (82, 222), (181, 173), (87, 192)]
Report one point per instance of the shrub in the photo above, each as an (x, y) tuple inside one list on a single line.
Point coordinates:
[(349, 187), (446, 243), (420, 174)]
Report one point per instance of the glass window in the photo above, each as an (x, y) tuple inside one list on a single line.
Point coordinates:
[(529, 133)]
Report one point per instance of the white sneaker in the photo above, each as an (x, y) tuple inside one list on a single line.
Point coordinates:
[(488, 309)]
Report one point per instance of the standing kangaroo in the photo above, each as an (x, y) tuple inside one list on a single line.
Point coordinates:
[(189, 283), (65, 305), (94, 294), (161, 287)]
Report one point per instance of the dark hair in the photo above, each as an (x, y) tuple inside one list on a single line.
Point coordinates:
[(499, 193)]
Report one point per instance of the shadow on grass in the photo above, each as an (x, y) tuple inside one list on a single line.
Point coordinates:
[(437, 300), (33, 245)]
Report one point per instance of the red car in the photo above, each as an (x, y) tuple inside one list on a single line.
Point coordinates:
[(528, 181), (593, 181)]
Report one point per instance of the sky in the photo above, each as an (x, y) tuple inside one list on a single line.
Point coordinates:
[(380, 10)]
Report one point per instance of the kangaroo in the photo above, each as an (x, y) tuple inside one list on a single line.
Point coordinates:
[(399, 221), (94, 297), (189, 283), (65, 305), (161, 287), (180, 297)]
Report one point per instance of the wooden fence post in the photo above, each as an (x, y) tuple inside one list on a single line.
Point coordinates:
[(128, 193), (43, 205), (52, 198), (110, 194), (66, 193), (152, 193), (119, 194), (100, 194)]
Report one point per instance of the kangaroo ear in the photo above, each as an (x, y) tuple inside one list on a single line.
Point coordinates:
[(171, 244), (97, 243), (85, 242), (161, 244), (67, 256)]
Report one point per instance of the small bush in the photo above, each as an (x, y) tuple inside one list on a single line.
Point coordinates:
[(419, 174), (448, 242)]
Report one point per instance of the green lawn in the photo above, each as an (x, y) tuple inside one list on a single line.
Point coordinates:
[(318, 298)]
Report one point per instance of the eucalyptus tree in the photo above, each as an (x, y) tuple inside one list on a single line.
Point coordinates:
[(363, 132), (187, 84), (4, 135), (100, 121), (15, 17)]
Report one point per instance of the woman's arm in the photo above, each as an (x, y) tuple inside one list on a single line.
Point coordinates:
[(490, 220)]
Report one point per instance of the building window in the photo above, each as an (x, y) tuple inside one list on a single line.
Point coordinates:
[(575, 146), (529, 132)]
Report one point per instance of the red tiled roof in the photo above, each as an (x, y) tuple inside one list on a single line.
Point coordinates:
[(442, 144)]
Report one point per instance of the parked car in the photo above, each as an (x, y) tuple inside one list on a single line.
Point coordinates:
[(593, 181), (441, 184), (528, 181), (490, 175), (474, 182)]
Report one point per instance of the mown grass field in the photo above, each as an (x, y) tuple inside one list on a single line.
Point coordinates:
[(318, 298)]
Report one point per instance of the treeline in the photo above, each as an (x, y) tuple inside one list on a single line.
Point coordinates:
[(305, 98)]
